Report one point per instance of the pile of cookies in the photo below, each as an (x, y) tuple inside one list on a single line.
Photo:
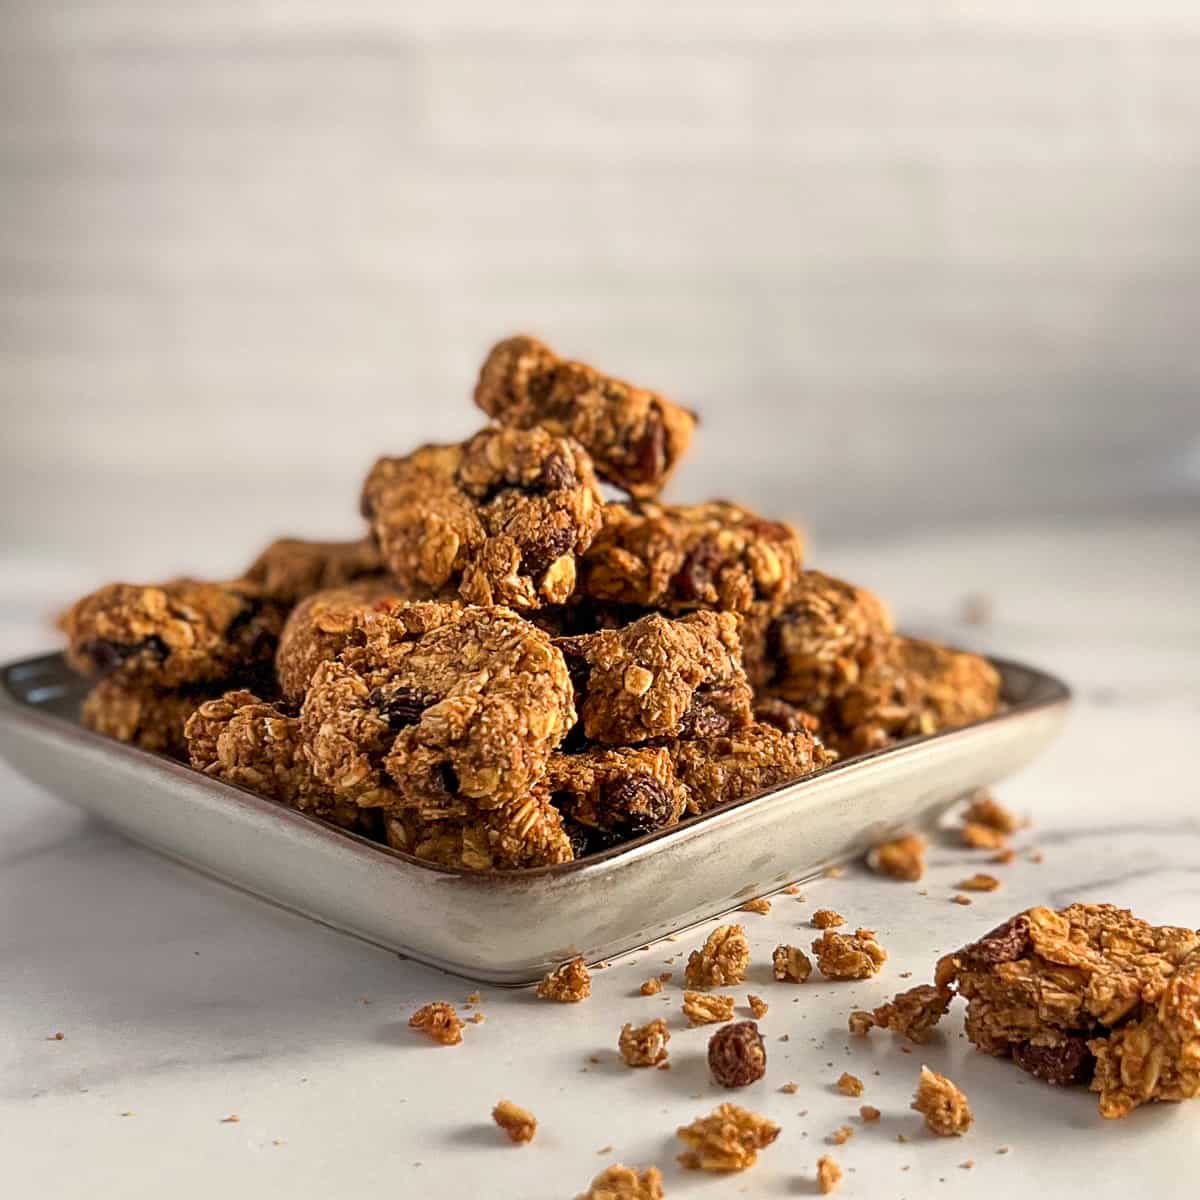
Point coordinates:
[(510, 670)]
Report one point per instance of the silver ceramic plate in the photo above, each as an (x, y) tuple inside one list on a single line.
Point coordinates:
[(511, 928)]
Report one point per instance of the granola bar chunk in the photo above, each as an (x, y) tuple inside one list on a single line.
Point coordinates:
[(622, 792), (914, 1012), (728, 1139), (502, 518), (660, 678), (519, 1123), (744, 763), (902, 858), (943, 1105), (916, 688), (174, 634), (682, 557), (291, 568), (625, 1183), (790, 964), (1089, 992), (707, 1008), (566, 984), (721, 961), (243, 740), (142, 714), (644, 1045), (444, 709), (322, 625), (634, 436), (828, 633), (845, 956)]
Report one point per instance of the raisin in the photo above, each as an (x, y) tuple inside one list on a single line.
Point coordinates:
[(636, 805), (1005, 943), (551, 545), (650, 454), (108, 656), (702, 720), (1068, 1063), (400, 707), (556, 474), (694, 580), (736, 1055)]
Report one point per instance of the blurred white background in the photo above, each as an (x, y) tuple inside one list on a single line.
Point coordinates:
[(919, 263)]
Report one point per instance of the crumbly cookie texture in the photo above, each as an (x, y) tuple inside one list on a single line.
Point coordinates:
[(826, 918), (987, 811), (682, 557), (290, 569), (644, 1045), (790, 964), (142, 714), (829, 1174), (736, 1055), (1087, 993), (748, 761), (519, 1123), (707, 1008), (942, 1104), (567, 984), (438, 1021), (845, 956), (661, 678), (849, 1085), (445, 709), (502, 518), (912, 1013), (787, 718), (622, 792), (728, 1139), (174, 634), (916, 688), (634, 436), (625, 1183), (721, 961), (827, 635), (902, 859), (322, 625), (244, 740)]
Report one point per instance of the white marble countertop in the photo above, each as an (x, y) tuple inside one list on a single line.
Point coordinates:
[(182, 1002)]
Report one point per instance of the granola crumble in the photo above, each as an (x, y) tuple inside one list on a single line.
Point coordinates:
[(869, 1113), (760, 905), (982, 837), (707, 1008), (849, 1085), (980, 883), (845, 956), (826, 918), (567, 984), (860, 1023), (721, 961), (757, 1005), (439, 1021), (651, 987), (790, 964), (984, 809), (736, 1055), (942, 1104), (841, 1135), (914, 1012), (903, 858), (625, 1183), (519, 1123), (961, 899), (829, 1174), (142, 714), (728, 1139), (644, 1045)]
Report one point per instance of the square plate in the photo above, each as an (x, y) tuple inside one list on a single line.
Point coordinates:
[(510, 928)]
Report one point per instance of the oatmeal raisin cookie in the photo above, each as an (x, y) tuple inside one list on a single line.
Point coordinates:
[(290, 569), (142, 714)]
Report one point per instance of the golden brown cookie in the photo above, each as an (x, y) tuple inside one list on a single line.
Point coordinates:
[(635, 437), (142, 714), (290, 569)]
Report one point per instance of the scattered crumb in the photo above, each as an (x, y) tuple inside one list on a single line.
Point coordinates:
[(826, 918), (942, 1104), (758, 1006), (594, 1058), (364, 999), (439, 1021), (980, 883), (1037, 857), (982, 837), (567, 984), (834, 872), (829, 1174), (604, 1150), (961, 899), (664, 1066), (760, 905), (651, 987), (902, 859), (1002, 1149), (869, 1113), (644, 1045), (728, 1139), (849, 1085), (790, 964), (977, 609), (905, 974), (792, 889), (785, 1037), (721, 961), (57, 1037), (127, 1113), (901, 1138), (1007, 855), (278, 1142), (232, 1119), (841, 1135), (625, 1183), (968, 1165), (985, 810), (841, 956), (706, 1008), (477, 1018), (474, 998), (790, 1088), (860, 1023), (665, 976), (519, 1123)]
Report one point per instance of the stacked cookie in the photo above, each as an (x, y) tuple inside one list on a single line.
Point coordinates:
[(508, 670)]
